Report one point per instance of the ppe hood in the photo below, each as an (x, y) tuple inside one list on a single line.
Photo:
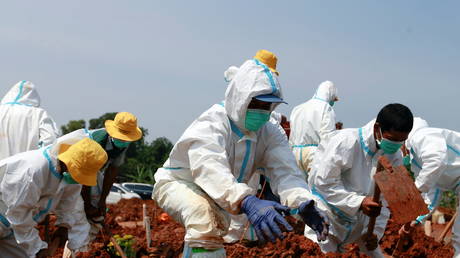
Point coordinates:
[(252, 79), (326, 92), (23, 92), (418, 124)]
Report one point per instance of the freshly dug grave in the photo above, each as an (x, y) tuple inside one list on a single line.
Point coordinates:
[(419, 245), (167, 238)]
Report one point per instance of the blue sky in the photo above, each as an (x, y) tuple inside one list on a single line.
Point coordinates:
[(164, 60)]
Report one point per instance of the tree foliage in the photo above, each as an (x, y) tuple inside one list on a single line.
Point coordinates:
[(99, 122), (143, 158), (73, 125)]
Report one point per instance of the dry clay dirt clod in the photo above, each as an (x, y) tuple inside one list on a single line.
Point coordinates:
[(404, 200)]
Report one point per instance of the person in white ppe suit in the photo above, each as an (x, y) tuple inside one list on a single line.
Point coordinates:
[(311, 123), (114, 138), (435, 161), (239, 224), (24, 125), (276, 118), (342, 179), (206, 175), (36, 182)]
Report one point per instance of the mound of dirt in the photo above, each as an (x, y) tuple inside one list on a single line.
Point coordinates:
[(167, 238)]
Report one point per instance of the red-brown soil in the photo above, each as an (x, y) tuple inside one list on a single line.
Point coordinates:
[(167, 239)]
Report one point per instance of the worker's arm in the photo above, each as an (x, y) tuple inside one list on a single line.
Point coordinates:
[(430, 150), (48, 131), (432, 199), (286, 180), (209, 163), (109, 178), (327, 125), (90, 210), (70, 215), (337, 156), (21, 194)]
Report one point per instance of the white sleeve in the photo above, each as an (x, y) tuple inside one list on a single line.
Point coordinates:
[(68, 216), (48, 131), (21, 195), (432, 151), (327, 127), (210, 166), (337, 158), (281, 169)]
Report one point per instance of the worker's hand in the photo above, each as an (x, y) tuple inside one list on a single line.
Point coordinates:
[(407, 229), (61, 234), (370, 208), (91, 211), (265, 217), (315, 219), (102, 208), (371, 241), (43, 253)]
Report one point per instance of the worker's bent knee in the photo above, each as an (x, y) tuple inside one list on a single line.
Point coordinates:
[(204, 221)]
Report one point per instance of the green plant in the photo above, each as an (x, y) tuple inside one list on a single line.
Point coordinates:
[(126, 243), (142, 175), (449, 200)]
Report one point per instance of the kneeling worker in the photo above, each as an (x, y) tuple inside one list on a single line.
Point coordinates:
[(206, 175)]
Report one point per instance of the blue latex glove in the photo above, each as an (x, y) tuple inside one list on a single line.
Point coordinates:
[(265, 217), (315, 219)]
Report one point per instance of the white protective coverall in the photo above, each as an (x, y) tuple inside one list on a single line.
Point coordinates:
[(96, 190), (435, 161), (239, 223), (207, 172), (30, 188), (23, 124), (311, 123), (340, 179)]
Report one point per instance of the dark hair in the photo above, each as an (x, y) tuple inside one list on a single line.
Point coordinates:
[(395, 116)]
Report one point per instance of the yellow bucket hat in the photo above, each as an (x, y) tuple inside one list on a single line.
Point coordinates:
[(124, 127), (268, 58), (83, 159)]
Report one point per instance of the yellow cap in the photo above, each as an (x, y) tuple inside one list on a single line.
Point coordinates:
[(124, 127), (83, 159), (268, 58)]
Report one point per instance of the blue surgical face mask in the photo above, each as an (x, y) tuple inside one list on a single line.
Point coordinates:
[(389, 146), (68, 178), (256, 118), (120, 144)]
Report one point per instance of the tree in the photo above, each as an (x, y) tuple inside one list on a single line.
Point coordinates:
[(148, 157), (99, 122), (73, 125)]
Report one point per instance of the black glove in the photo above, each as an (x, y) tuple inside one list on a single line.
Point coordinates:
[(315, 219)]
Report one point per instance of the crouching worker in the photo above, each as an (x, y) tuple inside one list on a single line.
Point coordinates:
[(435, 161), (206, 175), (343, 183), (115, 138), (36, 182)]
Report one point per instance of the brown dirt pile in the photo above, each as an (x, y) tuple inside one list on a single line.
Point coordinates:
[(167, 239)]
